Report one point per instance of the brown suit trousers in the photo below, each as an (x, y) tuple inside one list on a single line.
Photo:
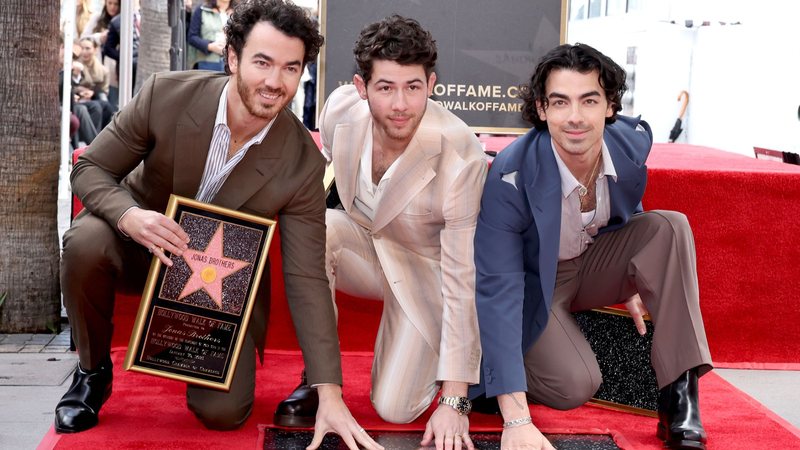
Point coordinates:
[(652, 255)]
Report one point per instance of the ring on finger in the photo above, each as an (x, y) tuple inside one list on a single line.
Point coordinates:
[(362, 430)]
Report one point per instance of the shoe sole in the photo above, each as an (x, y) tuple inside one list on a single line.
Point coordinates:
[(293, 421), (662, 434), (60, 430)]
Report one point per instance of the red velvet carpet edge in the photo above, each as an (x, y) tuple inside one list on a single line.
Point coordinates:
[(150, 412)]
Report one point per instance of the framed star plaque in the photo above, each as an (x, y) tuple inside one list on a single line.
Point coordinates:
[(193, 316)]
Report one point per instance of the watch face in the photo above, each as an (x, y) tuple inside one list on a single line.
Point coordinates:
[(460, 404), (464, 405)]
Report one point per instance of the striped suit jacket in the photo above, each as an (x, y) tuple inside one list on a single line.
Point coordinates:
[(424, 225)]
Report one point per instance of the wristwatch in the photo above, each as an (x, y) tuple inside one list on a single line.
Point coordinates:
[(460, 404)]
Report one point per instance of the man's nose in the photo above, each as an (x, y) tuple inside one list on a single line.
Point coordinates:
[(399, 101), (575, 114), (273, 78)]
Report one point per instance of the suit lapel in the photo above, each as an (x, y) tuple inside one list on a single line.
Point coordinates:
[(544, 196), (192, 138), (629, 179), (412, 174), (348, 141), (257, 166)]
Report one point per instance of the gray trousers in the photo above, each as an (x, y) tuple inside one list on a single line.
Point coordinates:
[(653, 255)]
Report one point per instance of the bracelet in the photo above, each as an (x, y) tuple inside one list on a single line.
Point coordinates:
[(517, 422)]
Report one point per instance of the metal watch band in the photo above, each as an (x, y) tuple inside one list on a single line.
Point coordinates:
[(460, 404)]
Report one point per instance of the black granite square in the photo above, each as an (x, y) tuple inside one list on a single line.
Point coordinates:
[(277, 439), (624, 358)]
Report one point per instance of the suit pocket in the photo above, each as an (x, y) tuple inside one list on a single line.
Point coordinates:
[(418, 207)]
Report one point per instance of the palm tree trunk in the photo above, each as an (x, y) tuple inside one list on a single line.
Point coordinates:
[(29, 162), (154, 41)]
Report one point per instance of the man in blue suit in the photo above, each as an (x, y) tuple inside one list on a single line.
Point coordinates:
[(561, 229)]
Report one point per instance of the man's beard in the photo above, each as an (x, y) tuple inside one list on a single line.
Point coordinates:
[(402, 134), (250, 101)]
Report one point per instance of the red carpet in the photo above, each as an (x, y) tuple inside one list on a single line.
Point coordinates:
[(150, 412), (744, 213)]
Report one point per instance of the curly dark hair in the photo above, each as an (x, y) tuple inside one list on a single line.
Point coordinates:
[(581, 58), (284, 15), (395, 38)]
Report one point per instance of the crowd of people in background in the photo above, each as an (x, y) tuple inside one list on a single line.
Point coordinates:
[(94, 75), (95, 54)]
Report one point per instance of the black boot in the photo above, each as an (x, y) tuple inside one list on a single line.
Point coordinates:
[(679, 424), (299, 410), (77, 411)]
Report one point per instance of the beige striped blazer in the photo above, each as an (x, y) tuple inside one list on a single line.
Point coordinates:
[(424, 225)]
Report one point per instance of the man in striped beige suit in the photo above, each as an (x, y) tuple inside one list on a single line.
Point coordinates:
[(409, 175)]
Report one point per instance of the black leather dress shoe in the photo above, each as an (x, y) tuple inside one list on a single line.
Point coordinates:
[(77, 411), (299, 410), (679, 424)]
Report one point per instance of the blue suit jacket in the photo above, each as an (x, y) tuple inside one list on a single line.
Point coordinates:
[(517, 239)]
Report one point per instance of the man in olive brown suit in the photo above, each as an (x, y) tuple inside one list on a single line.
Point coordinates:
[(229, 141)]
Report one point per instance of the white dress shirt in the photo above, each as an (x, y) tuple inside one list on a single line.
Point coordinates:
[(368, 194)]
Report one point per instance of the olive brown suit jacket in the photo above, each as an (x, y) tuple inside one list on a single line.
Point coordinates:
[(158, 145)]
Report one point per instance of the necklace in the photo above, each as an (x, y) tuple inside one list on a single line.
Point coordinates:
[(582, 189)]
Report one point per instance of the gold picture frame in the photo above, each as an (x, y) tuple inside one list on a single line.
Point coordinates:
[(193, 316)]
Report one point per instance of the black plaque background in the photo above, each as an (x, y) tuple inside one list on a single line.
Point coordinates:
[(624, 359), (480, 43), (186, 308), (214, 357)]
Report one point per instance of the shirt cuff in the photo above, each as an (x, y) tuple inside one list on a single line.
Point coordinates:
[(120, 220)]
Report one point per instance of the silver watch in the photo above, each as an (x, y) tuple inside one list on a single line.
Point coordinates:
[(460, 404)]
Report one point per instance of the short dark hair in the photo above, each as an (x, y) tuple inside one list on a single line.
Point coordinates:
[(284, 15), (580, 58), (397, 39)]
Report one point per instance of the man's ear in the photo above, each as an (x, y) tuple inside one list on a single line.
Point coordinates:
[(541, 111), (431, 83), (233, 61), (361, 86), (610, 110)]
